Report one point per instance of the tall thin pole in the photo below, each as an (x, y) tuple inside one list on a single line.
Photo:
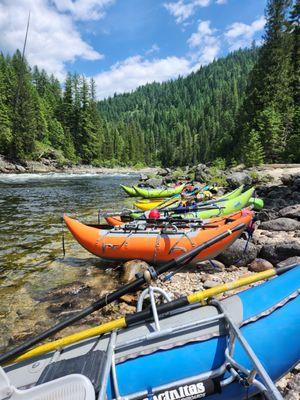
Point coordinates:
[(23, 56)]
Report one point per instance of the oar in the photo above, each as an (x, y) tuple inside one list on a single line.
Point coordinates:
[(147, 276), (128, 320)]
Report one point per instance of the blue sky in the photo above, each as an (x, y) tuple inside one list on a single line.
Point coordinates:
[(126, 43)]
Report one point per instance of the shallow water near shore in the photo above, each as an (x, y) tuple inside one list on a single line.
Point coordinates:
[(33, 271)]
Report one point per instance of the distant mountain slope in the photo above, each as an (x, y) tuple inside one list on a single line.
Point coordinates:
[(184, 121)]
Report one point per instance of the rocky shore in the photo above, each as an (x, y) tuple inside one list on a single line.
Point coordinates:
[(51, 166), (275, 242)]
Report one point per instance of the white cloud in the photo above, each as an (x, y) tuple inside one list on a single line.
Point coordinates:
[(182, 9), (204, 43), (127, 75), (153, 49), (83, 9), (221, 2), (52, 40), (133, 72), (241, 35)]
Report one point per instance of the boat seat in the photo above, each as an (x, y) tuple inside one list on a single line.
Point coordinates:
[(70, 387)]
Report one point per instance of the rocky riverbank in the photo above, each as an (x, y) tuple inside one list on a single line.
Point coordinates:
[(52, 166), (275, 242)]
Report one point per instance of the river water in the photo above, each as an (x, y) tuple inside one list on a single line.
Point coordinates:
[(34, 276)]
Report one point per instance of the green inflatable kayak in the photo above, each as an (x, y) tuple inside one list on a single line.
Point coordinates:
[(231, 195), (130, 191), (224, 207), (158, 193)]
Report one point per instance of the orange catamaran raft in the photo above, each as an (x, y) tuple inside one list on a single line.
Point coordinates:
[(158, 245)]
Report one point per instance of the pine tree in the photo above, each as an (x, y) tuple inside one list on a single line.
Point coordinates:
[(293, 148), (254, 152), (24, 126), (269, 104)]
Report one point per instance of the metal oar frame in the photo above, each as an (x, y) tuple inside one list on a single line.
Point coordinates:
[(211, 381)]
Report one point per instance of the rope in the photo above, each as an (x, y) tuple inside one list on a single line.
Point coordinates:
[(63, 237), (249, 231)]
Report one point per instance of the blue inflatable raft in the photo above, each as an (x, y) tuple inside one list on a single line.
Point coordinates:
[(190, 353)]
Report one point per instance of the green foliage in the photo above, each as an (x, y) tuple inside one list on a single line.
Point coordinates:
[(219, 163), (268, 121), (181, 122), (217, 177), (254, 152), (258, 178), (244, 107)]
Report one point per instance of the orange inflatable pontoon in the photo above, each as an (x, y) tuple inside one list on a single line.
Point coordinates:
[(157, 245)]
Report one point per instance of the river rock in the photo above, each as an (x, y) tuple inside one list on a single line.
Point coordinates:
[(266, 215), (289, 261), (291, 211), (211, 266), (296, 197), (296, 183), (259, 265), (280, 224), (143, 177), (129, 299), (154, 182), (237, 179), (163, 171), (287, 179), (201, 173), (20, 168), (210, 284), (235, 254), (64, 292), (280, 252), (279, 192), (131, 268)]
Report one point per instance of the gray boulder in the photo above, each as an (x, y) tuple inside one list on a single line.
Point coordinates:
[(211, 266), (296, 184), (235, 254), (20, 168), (208, 284), (131, 268), (290, 179), (201, 173), (237, 179), (259, 265), (163, 171), (287, 179), (296, 197), (276, 254), (291, 211), (143, 177), (289, 261), (266, 215), (280, 224), (154, 182)]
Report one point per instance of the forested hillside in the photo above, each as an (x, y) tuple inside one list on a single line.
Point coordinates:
[(244, 107), (188, 120), (174, 123)]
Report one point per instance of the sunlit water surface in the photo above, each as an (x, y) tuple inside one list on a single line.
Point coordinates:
[(31, 263)]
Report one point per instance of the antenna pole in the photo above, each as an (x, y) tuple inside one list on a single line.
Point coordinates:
[(23, 56)]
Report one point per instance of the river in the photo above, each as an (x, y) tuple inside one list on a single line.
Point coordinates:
[(36, 283)]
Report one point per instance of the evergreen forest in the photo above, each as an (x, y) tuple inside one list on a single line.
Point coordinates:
[(241, 108)]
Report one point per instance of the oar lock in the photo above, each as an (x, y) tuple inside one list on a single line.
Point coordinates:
[(149, 274)]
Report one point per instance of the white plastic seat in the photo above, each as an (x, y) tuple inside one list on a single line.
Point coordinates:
[(69, 387)]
